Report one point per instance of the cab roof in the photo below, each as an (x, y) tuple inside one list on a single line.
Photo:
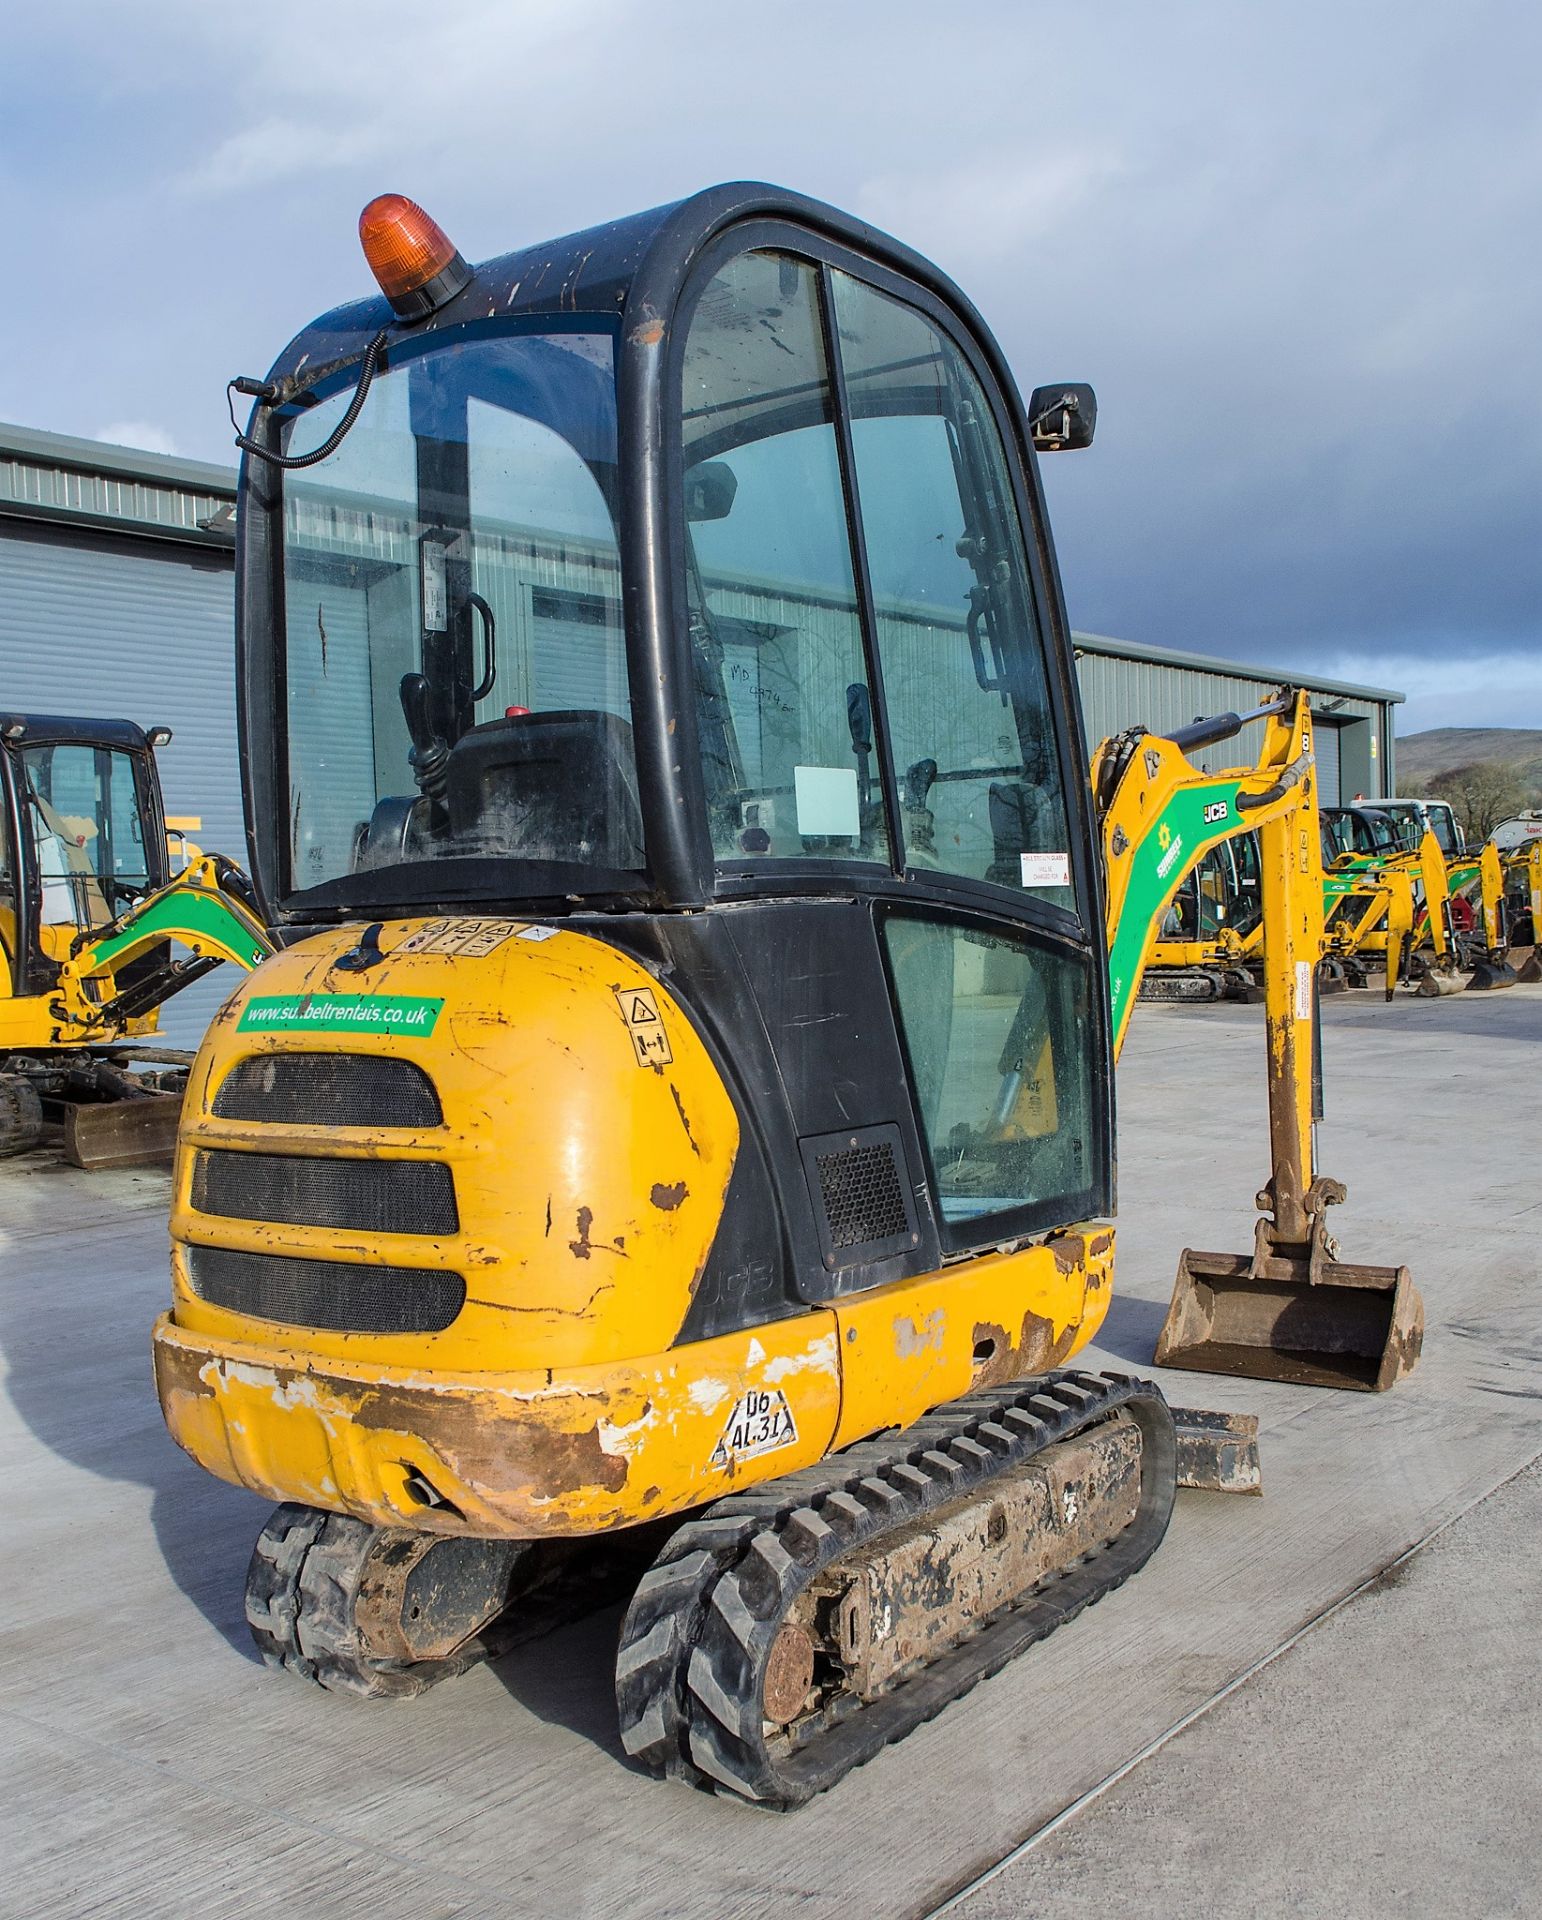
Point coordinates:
[(52, 729), (633, 267)]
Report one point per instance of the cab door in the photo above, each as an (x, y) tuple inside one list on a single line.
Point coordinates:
[(878, 714)]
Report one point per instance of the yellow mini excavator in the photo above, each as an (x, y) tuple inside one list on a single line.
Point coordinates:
[(680, 1108), (1209, 943), (89, 909)]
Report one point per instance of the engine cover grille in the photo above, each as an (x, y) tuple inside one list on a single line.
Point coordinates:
[(862, 1203), (328, 1090), (863, 1198), (375, 1196), (326, 1293)]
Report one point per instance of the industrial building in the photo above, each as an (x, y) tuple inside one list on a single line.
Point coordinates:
[(116, 599)]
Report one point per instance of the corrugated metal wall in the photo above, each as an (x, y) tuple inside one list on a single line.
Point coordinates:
[(138, 630), (171, 504)]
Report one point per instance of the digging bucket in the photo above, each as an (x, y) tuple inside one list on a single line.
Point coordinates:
[(1269, 1319), (1490, 973)]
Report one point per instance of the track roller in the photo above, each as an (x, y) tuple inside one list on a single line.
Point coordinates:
[(790, 1633)]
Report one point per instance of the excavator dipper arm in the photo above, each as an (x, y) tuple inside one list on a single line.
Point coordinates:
[(1289, 1310)]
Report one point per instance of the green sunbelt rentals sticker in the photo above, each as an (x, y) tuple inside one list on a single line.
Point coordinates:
[(408, 1013)]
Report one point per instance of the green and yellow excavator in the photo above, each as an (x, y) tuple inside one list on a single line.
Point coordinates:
[(90, 915), (676, 1129), (1426, 915)]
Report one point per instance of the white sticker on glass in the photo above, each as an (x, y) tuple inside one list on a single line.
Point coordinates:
[(1046, 869), (827, 801)]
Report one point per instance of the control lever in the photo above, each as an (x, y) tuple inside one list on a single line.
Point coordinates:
[(430, 756)]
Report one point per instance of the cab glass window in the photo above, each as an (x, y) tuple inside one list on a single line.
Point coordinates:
[(783, 704), (454, 662), (996, 1034), (87, 834), (965, 683)]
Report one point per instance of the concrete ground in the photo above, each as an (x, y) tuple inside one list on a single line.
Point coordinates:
[(1385, 1762)]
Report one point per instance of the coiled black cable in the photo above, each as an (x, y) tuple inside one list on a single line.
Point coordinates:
[(262, 391)]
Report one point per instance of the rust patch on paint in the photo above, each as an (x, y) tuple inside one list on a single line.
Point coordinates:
[(179, 1370), (995, 1357), (1068, 1252), (579, 1248), (666, 1199), (1040, 1348), (496, 1455)]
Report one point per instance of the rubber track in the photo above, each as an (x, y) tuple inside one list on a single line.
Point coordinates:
[(302, 1586), (1183, 983), (300, 1591), (696, 1638)]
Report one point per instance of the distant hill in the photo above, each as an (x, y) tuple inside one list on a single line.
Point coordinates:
[(1420, 756)]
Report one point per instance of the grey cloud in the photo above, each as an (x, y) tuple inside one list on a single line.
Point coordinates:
[(1293, 247)]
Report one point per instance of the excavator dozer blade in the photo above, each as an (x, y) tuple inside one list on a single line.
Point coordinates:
[(1355, 1327), (121, 1133)]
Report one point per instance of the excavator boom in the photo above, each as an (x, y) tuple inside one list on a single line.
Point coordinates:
[(1289, 1310)]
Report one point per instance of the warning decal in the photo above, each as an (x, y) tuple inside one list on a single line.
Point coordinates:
[(640, 1011), (1303, 990), (761, 1422), (1045, 869), (472, 939)]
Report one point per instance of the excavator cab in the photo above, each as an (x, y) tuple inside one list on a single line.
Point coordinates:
[(82, 837), (732, 635), (89, 911)]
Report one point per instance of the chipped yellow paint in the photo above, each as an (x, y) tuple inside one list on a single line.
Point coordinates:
[(907, 1348), (524, 1454), (536, 1452), (589, 1193)]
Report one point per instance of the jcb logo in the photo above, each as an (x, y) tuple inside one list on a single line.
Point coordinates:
[(1217, 810)]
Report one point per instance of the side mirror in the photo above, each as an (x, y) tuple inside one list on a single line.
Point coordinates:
[(710, 487), (1062, 418)]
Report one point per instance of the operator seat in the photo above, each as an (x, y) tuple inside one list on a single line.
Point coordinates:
[(547, 786)]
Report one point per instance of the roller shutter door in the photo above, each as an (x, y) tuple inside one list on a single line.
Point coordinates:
[(138, 630), (1326, 737), (579, 654)]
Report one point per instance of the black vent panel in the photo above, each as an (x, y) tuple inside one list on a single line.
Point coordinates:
[(328, 1090), (372, 1196), (326, 1293), (862, 1199)]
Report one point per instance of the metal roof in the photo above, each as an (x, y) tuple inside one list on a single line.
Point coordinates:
[(52, 477), (1235, 669)]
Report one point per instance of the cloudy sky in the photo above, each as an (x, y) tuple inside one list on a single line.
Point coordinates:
[(1294, 246)]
